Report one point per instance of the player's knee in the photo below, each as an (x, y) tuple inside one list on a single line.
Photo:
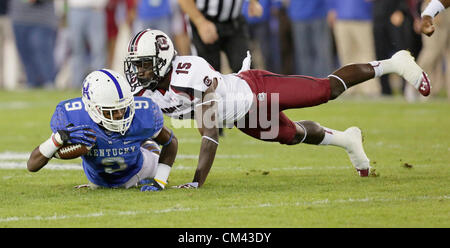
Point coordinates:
[(310, 132), (336, 88), (334, 94)]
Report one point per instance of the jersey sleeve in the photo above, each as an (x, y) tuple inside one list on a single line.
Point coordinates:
[(59, 119), (149, 119), (158, 119), (194, 73)]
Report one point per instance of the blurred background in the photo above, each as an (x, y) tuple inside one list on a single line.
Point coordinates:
[(54, 44)]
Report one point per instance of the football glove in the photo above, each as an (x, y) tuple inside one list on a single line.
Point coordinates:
[(246, 63), (77, 135), (154, 186), (192, 185)]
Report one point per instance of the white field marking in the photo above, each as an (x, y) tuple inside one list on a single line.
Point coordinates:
[(15, 105), (17, 160), (7, 155), (49, 166), (9, 165), (178, 208)]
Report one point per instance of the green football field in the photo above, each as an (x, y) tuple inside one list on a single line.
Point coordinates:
[(252, 183)]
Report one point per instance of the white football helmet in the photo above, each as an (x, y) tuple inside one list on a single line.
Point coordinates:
[(151, 50), (106, 92)]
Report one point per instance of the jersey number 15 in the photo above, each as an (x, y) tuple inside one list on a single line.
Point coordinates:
[(183, 68)]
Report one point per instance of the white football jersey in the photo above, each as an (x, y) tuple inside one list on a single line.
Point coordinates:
[(191, 76)]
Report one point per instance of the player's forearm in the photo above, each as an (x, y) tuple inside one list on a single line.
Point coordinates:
[(208, 148), (44, 152), (169, 152), (36, 160), (189, 7), (206, 159), (446, 3)]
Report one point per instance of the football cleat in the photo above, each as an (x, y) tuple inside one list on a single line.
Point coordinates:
[(369, 172), (409, 70), (363, 172), (356, 152)]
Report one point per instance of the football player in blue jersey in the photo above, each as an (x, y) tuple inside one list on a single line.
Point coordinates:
[(118, 128)]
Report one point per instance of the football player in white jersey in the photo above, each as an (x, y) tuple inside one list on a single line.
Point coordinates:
[(251, 100)]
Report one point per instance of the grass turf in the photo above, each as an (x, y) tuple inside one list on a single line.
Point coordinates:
[(252, 183)]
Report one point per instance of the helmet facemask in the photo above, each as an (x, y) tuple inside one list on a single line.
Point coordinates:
[(108, 120), (150, 67)]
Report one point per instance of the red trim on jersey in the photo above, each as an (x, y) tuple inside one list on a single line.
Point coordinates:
[(140, 93), (163, 91), (182, 92)]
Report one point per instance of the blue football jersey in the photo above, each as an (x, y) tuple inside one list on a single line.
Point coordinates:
[(114, 158)]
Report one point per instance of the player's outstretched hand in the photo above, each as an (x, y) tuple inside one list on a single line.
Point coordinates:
[(154, 186), (77, 135), (193, 185)]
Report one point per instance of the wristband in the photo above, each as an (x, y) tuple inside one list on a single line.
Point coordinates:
[(211, 139), (433, 8), (50, 146)]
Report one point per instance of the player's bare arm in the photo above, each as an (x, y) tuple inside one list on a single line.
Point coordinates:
[(205, 116), (169, 143), (446, 3), (36, 160), (45, 151)]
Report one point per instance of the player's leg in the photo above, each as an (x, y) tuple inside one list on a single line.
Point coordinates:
[(150, 153), (310, 132), (401, 63)]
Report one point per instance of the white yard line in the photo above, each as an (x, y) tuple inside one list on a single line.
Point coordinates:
[(50, 166), (187, 209), (17, 160), (10, 165), (7, 155)]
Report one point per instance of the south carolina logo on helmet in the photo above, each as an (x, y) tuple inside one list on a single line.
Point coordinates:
[(149, 50)]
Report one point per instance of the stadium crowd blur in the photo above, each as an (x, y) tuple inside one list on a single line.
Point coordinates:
[(54, 44)]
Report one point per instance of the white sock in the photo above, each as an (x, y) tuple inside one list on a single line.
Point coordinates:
[(383, 67), (162, 174), (334, 138)]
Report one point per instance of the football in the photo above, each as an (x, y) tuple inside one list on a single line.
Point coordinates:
[(71, 151)]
